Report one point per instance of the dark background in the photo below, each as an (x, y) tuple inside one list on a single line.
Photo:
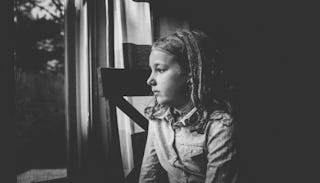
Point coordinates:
[(270, 49)]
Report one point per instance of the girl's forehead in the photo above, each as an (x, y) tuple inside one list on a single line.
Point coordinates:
[(161, 57)]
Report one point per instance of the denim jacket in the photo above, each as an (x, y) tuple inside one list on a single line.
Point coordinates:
[(183, 156)]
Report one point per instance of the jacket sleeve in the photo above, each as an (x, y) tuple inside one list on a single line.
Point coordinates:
[(222, 166), (151, 170)]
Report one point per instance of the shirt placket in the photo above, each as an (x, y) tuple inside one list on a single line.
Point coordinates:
[(175, 160), (180, 134)]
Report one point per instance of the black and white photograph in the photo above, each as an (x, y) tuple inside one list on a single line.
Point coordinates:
[(160, 91)]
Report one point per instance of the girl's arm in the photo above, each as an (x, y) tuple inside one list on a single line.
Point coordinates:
[(222, 165), (151, 170)]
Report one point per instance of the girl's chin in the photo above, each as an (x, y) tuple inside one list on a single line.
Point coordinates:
[(168, 102), (161, 101)]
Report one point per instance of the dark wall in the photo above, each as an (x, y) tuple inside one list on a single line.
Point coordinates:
[(270, 50)]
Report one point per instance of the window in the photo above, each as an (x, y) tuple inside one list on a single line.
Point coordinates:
[(39, 90)]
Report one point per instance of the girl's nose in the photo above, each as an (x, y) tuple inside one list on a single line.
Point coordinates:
[(151, 81)]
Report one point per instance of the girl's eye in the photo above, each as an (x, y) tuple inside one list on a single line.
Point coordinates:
[(160, 70)]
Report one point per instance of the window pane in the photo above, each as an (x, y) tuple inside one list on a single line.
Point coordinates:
[(39, 90)]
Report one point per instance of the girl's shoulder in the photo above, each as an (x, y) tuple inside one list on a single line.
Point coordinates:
[(221, 124), (221, 117)]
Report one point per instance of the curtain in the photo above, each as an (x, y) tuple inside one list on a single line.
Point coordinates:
[(132, 42)]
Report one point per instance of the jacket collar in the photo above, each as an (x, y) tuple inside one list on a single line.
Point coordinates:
[(186, 120)]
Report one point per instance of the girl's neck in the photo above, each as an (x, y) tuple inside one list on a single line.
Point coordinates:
[(184, 109)]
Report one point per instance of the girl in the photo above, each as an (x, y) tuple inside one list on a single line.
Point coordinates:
[(191, 135)]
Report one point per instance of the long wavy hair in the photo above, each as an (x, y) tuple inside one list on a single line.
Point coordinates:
[(199, 56)]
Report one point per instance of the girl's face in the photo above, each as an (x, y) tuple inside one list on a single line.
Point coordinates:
[(167, 80)]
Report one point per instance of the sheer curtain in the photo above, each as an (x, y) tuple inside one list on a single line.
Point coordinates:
[(132, 41)]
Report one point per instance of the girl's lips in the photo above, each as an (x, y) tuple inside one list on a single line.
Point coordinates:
[(155, 92)]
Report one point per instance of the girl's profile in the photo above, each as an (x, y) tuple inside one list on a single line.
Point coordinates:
[(192, 129)]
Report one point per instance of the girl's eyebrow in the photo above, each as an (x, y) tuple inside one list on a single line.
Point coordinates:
[(153, 65), (157, 64)]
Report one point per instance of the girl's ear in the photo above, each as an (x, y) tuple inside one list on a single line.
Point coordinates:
[(189, 75), (188, 87), (189, 81)]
